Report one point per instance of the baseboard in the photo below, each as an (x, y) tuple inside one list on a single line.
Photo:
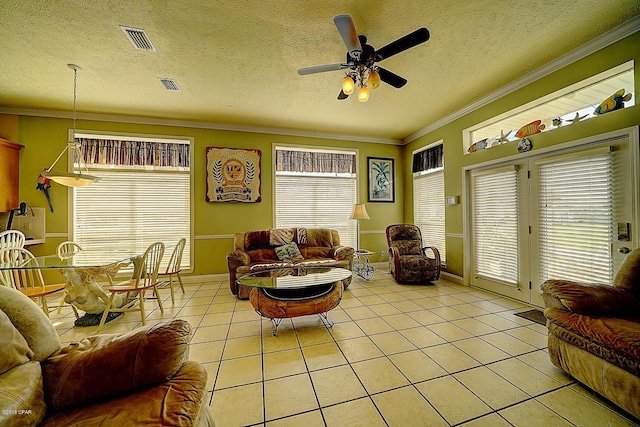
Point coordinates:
[(458, 280)]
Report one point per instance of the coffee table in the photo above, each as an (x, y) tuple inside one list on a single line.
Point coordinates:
[(291, 292)]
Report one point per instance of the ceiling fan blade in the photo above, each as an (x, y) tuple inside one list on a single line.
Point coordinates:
[(342, 95), (420, 35), (391, 78), (347, 30), (322, 68)]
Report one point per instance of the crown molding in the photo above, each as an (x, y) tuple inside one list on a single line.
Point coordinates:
[(610, 37), (60, 114)]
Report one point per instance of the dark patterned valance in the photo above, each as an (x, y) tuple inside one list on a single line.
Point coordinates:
[(96, 152), (312, 161), (431, 158)]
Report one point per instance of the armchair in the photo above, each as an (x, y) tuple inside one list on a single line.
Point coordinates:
[(142, 377), (408, 260), (594, 332)]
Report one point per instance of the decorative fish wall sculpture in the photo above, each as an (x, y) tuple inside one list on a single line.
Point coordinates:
[(530, 129), (612, 103)]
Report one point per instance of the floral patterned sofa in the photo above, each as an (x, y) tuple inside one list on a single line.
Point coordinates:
[(263, 250)]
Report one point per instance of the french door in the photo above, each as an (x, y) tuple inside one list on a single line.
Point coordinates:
[(567, 214)]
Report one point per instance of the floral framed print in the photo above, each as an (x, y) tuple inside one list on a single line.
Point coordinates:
[(381, 180)]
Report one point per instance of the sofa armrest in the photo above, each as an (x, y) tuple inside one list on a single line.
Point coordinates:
[(104, 366), (590, 298), (342, 252), (236, 259)]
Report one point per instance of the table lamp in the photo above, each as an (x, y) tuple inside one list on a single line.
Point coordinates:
[(359, 212)]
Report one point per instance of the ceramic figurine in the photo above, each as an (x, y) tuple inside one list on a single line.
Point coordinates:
[(524, 145), (612, 103), (530, 129), (577, 118), (557, 121), (504, 138)]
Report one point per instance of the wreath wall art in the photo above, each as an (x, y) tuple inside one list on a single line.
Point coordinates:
[(233, 175)]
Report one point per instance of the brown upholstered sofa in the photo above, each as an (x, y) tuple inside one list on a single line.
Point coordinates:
[(139, 378), (256, 251), (594, 333)]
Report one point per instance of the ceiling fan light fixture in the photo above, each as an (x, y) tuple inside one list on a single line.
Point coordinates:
[(363, 94), (348, 85), (374, 80)]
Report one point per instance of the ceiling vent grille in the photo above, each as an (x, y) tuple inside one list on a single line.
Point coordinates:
[(169, 84), (138, 38)]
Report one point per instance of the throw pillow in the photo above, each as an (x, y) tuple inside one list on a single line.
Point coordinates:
[(288, 252), (14, 349)]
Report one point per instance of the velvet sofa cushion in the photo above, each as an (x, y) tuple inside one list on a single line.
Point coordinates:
[(14, 349), (104, 366)]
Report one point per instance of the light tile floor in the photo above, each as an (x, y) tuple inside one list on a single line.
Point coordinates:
[(398, 355)]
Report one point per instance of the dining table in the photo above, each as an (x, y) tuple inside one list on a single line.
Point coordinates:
[(82, 272)]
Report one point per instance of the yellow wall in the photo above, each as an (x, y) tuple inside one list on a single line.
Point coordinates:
[(451, 134), (214, 223)]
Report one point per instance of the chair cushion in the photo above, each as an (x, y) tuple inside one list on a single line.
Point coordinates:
[(628, 275), (105, 366), (408, 247), (417, 269), (14, 349)]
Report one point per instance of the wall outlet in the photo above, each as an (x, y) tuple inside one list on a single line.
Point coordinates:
[(27, 226), (383, 253)]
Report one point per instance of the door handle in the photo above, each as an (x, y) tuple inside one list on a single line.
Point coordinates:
[(624, 250)]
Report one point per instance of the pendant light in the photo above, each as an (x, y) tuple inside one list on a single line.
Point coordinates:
[(71, 179)]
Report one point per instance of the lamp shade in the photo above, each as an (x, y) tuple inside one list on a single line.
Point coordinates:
[(359, 212), (363, 94), (348, 85)]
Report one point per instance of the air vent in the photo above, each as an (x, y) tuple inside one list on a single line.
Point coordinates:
[(169, 84), (138, 38)]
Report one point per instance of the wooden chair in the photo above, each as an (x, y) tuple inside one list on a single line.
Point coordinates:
[(29, 280), (11, 239), (173, 268), (68, 249), (145, 277)]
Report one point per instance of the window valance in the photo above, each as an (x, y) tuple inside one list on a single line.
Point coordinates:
[(314, 161), (96, 152), (431, 158)]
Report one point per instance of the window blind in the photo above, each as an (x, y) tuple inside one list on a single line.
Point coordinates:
[(129, 210), (317, 201), (428, 210), (575, 209), (495, 224)]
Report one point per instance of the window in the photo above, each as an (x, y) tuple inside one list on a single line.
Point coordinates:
[(143, 195), (495, 224), (556, 109), (576, 216), (316, 188), (428, 197)]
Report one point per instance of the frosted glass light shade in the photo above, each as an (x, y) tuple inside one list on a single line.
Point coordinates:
[(348, 85), (363, 94)]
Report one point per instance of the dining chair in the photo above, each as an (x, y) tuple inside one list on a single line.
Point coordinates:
[(27, 277), (68, 249), (145, 277), (12, 239), (173, 268)]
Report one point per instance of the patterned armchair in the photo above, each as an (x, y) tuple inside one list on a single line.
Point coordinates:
[(408, 260)]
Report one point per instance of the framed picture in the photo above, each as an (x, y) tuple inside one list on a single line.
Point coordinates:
[(233, 175), (381, 180)]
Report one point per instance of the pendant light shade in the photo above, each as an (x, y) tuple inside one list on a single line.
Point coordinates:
[(71, 179)]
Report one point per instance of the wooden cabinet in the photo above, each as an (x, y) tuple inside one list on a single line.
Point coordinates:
[(9, 175)]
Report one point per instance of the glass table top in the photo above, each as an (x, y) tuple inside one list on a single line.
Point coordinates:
[(83, 259), (294, 278)]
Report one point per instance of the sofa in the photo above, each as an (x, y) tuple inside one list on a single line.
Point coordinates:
[(594, 333), (285, 248), (142, 377)]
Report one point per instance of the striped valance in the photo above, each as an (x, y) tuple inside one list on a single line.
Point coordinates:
[(97, 152), (314, 161)]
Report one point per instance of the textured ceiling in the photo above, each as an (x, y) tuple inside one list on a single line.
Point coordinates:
[(235, 61)]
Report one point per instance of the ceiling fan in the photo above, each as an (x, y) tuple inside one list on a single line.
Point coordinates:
[(362, 58)]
